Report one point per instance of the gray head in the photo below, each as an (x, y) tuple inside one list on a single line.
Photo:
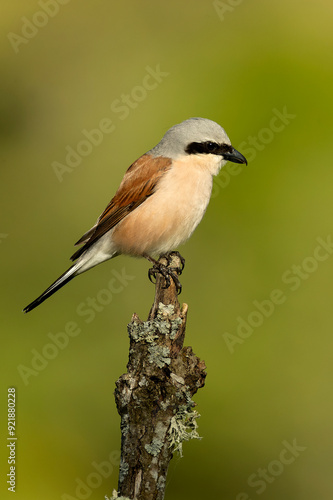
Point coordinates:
[(196, 136)]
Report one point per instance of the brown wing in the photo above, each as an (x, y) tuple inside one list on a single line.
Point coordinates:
[(138, 184)]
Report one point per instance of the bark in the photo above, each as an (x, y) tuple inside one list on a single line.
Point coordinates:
[(154, 397)]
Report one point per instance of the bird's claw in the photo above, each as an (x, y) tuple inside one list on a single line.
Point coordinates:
[(167, 273), (169, 256), (156, 269)]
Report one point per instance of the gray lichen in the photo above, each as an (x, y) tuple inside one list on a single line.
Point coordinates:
[(146, 331), (142, 331), (154, 447), (159, 355), (183, 427), (125, 424), (143, 382), (123, 470), (161, 483), (163, 326), (115, 496), (154, 474), (165, 310), (165, 404)]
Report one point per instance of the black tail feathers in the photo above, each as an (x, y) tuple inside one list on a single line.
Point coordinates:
[(60, 282)]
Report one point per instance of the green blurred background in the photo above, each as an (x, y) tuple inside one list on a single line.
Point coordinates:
[(238, 63)]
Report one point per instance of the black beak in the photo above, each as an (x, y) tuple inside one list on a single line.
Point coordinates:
[(234, 156)]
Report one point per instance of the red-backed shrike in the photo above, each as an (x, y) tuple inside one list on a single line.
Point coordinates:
[(160, 201)]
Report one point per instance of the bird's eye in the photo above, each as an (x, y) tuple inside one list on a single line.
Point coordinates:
[(211, 146), (202, 148)]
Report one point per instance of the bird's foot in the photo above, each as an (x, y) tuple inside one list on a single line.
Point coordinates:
[(169, 256), (168, 273)]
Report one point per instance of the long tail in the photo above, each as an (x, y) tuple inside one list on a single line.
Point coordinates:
[(60, 282)]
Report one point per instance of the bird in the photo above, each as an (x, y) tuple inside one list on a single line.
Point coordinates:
[(159, 203)]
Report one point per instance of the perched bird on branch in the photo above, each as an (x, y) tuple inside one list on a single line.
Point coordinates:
[(159, 203)]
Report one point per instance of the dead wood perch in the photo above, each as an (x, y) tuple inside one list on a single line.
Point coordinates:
[(154, 397)]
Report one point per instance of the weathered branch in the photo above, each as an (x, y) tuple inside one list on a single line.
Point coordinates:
[(154, 396)]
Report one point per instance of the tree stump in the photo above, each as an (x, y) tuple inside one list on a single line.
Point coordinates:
[(154, 397)]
